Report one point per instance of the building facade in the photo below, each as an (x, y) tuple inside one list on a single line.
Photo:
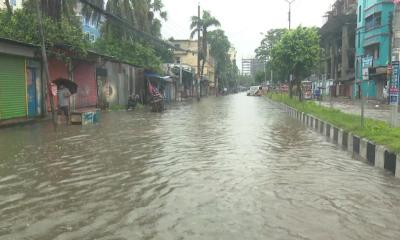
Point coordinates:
[(373, 46), (187, 54), (21, 87), (338, 44), (250, 66)]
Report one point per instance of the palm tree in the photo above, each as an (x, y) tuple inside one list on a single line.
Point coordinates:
[(207, 21)]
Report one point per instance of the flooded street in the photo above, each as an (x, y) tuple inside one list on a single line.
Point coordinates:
[(232, 167)]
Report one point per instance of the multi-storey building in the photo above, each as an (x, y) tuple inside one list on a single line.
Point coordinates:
[(251, 66), (187, 54), (373, 46), (338, 42)]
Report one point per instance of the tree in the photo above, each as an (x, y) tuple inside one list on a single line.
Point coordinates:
[(273, 36), (8, 5), (117, 39), (204, 23), (22, 25), (298, 53)]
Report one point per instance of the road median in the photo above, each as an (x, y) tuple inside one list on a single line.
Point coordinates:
[(376, 138)]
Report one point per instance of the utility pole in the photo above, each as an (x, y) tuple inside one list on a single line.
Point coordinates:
[(290, 11), (394, 83), (45, 61), (198, 54)]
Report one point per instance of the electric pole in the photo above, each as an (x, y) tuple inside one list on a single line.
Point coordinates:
[(45, 62), (394, 83), (198, 54), (290, 11)]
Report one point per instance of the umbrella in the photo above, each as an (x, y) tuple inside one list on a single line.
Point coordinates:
[(72, 86)]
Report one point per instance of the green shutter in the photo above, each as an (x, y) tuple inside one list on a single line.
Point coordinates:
[(12, 87)]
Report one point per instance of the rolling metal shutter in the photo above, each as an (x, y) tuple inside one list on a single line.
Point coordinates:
[(12, 87)]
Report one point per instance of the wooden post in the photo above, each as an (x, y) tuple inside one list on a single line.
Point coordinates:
[(45, 61)]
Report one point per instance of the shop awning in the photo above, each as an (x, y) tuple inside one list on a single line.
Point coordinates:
[(156, 76)]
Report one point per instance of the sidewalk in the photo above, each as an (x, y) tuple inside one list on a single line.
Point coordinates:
[(373, 109)]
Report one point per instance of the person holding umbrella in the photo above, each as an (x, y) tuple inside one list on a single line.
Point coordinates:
[(66, 88), (63, 101)]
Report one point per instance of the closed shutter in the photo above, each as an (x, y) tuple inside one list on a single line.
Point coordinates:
[(12, 87), (85, 77)]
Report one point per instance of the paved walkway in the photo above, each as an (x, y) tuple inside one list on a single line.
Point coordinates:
[(373, 109)]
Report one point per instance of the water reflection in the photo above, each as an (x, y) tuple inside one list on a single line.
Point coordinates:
[(227, 168)]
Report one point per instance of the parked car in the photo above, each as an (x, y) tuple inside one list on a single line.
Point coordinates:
[(253, 91)]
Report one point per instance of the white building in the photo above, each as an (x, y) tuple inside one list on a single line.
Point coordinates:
[(15, 4)]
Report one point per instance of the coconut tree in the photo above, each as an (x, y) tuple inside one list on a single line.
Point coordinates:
[(204, 23)]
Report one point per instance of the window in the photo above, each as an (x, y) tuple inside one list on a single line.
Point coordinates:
[(373, 51), (359, 13), (373, 21), (92, 37), (177, 45), (359, 39), (178, 60)]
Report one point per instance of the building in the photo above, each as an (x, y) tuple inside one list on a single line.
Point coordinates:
[(251, 66), (15, 4), (338, 42), (21, 87), (187, 54), (232, 54), (90, 26), (373, 46)]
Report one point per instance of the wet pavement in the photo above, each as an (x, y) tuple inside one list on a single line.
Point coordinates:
[(235, 167)]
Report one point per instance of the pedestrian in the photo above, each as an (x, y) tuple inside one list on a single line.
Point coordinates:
[(63, 102), (385, 94)]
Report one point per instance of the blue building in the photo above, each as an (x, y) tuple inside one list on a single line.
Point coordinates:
[(373, 41), (91, 28)]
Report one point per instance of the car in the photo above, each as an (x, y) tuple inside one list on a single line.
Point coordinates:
[(253, 91)]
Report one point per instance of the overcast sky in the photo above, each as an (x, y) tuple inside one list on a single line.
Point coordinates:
[(244, 20)]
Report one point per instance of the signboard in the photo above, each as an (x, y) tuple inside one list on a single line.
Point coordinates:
[(394, 84), (367, 62), (365, 74)]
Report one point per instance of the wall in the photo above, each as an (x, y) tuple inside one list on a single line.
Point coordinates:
[(118, 83), (85, 76)]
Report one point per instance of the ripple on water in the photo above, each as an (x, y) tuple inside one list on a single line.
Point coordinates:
[(225, 168)]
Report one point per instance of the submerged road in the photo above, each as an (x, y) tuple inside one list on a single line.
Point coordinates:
[(229, 168)]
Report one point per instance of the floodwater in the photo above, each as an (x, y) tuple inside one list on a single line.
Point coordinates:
[(232, 167)]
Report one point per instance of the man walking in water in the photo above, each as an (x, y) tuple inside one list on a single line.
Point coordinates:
[(63, 102)]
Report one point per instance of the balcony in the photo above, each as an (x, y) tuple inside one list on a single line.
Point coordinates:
[(376, 35)]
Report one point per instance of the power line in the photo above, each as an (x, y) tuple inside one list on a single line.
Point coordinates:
[(144, 35)]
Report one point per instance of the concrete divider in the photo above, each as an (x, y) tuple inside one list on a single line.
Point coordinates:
[(350, 142), (328, 130), (397, 171), (376, 155), (390, 162), (363, 148), (371, 151), (322, 127), (340, 137), (380, 156)]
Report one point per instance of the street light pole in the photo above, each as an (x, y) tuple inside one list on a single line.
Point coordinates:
[(290, 11), (199, 49)]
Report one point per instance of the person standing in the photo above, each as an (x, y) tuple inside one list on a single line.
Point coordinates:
[(63, 102), (385, 94)]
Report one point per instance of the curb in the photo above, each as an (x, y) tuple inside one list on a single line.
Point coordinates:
[(361, 148)]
